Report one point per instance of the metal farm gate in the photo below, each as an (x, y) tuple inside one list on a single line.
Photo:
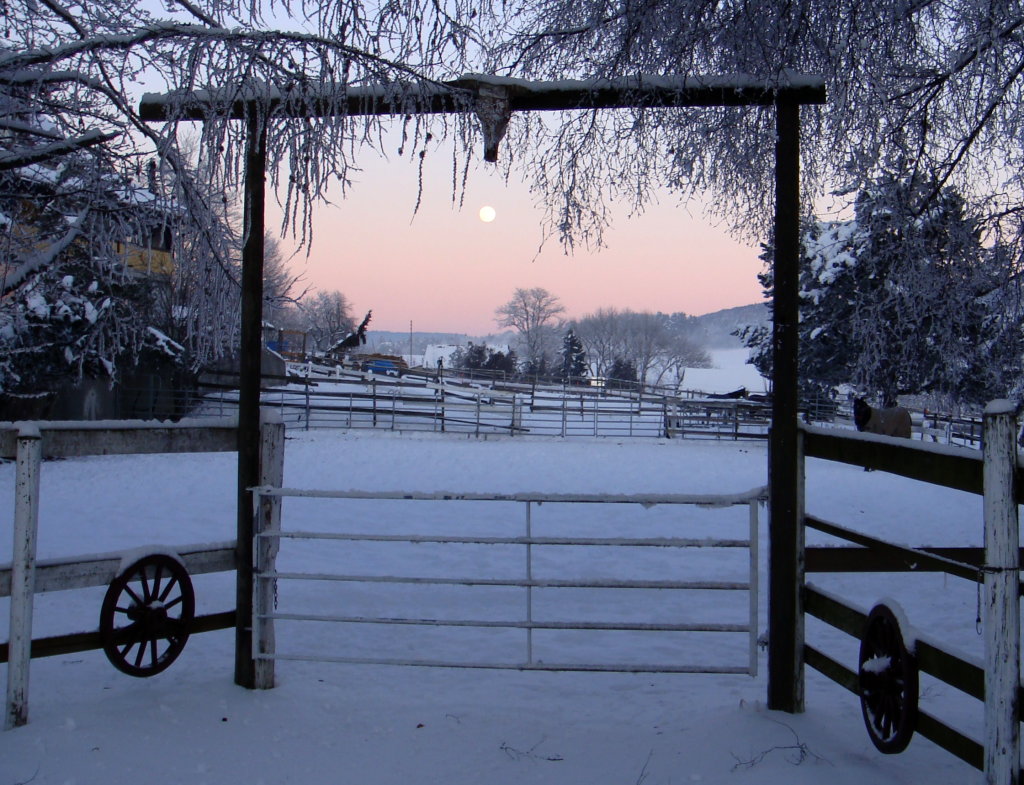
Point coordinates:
[(518, 581)]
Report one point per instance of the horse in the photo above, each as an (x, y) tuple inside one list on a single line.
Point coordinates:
[(735, 395), (894, 421)]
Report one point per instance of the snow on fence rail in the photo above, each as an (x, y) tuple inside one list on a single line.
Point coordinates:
[(516, 565)]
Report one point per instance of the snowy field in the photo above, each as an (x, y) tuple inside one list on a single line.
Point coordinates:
[(730, 372), (338, 723)]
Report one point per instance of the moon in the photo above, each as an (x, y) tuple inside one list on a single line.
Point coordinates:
[(488, 213)]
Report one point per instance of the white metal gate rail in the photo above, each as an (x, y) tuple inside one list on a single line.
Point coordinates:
[(267, 544)]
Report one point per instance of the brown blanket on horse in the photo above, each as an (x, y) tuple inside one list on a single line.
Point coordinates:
[(894, 421)]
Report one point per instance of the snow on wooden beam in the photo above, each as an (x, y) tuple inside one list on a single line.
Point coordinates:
[(461, 94)]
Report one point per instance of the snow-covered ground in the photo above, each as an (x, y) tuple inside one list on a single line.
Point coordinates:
[(337, 723)]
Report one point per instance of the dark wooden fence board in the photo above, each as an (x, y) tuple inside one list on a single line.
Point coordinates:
[(903, 457)]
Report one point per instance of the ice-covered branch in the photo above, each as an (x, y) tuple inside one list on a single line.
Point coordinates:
[(15, 158)]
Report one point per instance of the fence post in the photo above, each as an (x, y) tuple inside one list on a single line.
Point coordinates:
[(1002, 604), (529, 583), (267, 518), (308, 370), (23, 572)]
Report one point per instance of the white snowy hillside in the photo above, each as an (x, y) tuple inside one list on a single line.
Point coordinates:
[(329, 723), (730, 372)]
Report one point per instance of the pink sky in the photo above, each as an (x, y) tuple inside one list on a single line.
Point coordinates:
[(445, 270)]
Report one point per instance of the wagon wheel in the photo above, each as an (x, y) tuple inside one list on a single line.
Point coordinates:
[(146, 615), (888, 682)]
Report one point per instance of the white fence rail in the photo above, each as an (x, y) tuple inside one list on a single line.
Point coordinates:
[(526, 566)]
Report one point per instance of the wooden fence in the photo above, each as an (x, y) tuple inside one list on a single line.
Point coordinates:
[(998, 477), (29, 444)]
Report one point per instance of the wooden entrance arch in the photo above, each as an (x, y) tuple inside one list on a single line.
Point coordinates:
[(785, 630)]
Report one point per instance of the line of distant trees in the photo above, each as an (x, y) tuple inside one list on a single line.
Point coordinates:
[(620, 345)]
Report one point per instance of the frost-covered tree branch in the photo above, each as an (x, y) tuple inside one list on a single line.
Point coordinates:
[(71, 75), (931, 89)]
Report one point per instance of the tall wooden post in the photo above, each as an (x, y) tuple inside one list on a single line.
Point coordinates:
[(785, 555), (23, 573), (1002, 601), (249, 389)]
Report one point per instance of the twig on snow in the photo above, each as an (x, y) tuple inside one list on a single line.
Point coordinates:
[(643, 771), (515, 754), (797, 752)]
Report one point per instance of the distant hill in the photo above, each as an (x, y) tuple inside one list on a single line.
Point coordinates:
[(715, 330)]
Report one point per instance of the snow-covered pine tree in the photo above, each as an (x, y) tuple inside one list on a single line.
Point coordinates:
[(903, 298), (622, 374), (574, 358)]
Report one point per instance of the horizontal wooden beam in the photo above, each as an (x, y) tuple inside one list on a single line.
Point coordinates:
[(99, 570), (899, 556), (57, 645), (950, 467), (460, 95), (124, 437)]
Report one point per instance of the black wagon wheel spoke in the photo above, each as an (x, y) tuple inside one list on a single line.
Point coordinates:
[(135, 598), (172, 584), (888, 682), (146, 615)]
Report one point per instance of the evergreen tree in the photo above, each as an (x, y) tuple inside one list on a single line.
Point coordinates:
[(537, 368), (474, 357), (897, 300), (622, 375), (501, 361), (574, 359)]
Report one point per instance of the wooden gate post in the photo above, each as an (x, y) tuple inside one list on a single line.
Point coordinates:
[(23, 573), (250, 376), (785, 517), (1002, 603)]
